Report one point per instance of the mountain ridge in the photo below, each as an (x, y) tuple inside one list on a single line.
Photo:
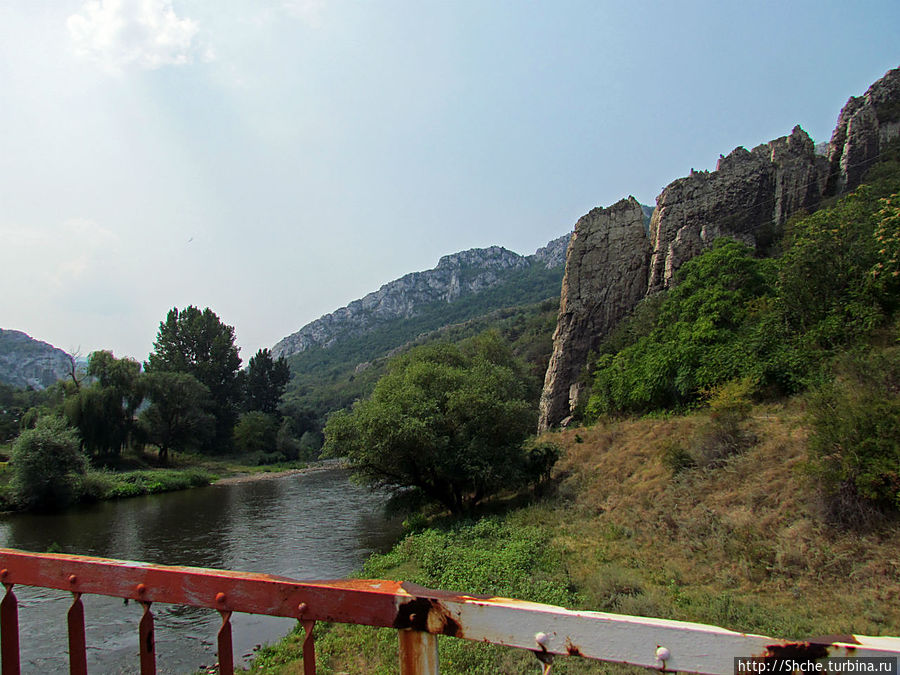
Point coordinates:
[(456, 276), (28, 363)]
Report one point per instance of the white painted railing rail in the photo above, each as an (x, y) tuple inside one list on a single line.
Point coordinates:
[(418, 614)]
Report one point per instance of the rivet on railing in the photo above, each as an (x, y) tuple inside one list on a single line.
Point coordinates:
[(220, 598), (141, 589), (663, 655), (4, 573), (73, 579), (301, 608)]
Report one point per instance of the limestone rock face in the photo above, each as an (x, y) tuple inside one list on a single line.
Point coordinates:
[(866, 124), (26, 362), (606, 276), (554, 253), (748, 192)]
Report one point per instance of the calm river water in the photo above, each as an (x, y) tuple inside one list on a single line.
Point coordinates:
[(310, 526)]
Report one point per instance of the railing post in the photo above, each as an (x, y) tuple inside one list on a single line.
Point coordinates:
[(77, 642), (147, 642), (309, 648), (9, 631), (418, 652), (226, 650)]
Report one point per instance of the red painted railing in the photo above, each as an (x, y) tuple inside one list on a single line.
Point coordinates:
[(419, 614)]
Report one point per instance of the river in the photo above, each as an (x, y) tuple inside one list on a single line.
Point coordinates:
[(316, 525)]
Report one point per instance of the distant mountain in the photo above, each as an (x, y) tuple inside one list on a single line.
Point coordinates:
[(463, 285), (26, 362)]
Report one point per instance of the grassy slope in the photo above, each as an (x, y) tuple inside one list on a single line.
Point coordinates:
[(739, 545)]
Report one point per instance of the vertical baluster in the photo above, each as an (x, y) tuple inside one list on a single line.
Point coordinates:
[(77, 646), (226, 651), (418, 653), (9, 632), (309, 649), (147, 642)]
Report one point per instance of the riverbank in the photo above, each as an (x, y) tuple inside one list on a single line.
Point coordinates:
[(739, 543), (137, 474), (267, 472)]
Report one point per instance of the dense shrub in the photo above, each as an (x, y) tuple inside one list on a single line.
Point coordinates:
[(47, 464), (855, 436), (706, 333), (723, 434), (256, 432)]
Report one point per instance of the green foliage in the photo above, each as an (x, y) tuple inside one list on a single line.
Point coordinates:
[(199, 344), (104, 411), (447, 422), (98, 415), (329, 379), (47, 463), (99, 485), (706, 332), (265, 382), (855, 419), (826, 290), (723, 434), (491, 556), (177, 417), (256, 432), (14, 407)]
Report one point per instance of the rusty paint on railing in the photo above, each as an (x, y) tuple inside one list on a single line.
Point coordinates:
[(417, 613)]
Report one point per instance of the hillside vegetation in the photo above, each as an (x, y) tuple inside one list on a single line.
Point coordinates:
[(329, 379), (741, 544), (739, 463)]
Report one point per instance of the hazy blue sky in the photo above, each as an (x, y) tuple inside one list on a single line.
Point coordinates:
[(274, 160)]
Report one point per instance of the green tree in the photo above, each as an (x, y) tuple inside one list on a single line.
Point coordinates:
[(104, 411), (46, 464), (177, 417), (265, 382), (445, 425), (256, 432), (199, 344), (826, 287)]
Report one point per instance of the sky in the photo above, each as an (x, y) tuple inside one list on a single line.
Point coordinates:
[(276, 159)]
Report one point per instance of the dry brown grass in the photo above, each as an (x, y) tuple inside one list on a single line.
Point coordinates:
[(748, 528)]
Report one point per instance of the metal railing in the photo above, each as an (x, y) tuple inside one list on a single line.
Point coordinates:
[(418, 614)]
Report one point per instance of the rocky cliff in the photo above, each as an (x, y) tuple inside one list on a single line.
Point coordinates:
[(748, 196), (456, 276), (26, 362), (865, 125), (748, 191), (606, 276)]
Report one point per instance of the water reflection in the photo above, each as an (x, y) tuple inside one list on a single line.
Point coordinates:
[(313, 526)]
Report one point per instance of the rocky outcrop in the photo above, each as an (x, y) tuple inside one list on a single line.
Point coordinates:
[(748, 196), (554, 253), (456, 276), (29, 363), (748, 191), (606, 276), (865, 125)]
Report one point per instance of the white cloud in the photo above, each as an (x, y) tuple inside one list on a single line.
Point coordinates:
[(120, 34)]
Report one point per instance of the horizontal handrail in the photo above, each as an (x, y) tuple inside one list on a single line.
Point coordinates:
[(544, 629)]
